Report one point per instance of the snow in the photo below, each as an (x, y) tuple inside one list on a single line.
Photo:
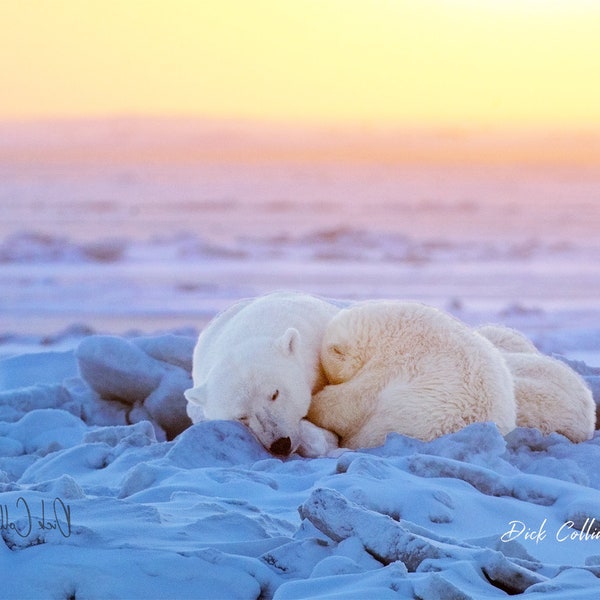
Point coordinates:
[(209, 512), (107, 491)]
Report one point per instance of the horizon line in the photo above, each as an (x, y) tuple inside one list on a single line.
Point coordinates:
[(477, 126)]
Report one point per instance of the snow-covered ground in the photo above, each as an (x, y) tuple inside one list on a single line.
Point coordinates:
[(116, 249)]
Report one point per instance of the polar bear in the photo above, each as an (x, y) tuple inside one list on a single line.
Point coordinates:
[(258, 363), (409, 368), (550, 396), (507, 339)]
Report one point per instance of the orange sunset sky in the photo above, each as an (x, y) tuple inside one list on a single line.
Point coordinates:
[(425, 62)]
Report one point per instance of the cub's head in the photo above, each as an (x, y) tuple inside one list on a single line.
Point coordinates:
[(261, 383)]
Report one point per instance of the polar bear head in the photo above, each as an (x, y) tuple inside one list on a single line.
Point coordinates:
[(261, 383)]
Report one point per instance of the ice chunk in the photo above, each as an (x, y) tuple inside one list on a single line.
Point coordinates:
[(37, 368), (167, 404), (582, 518), (94, 410), (173, 349), (9, 446), (141, 477), (505, 574), (530, 489), (44, 431), (390, 582), (438, 587), (335, 565), (138, 435), (574, 584), (478, 443), (246, 577), (216, 443), (64, 487), (118, 369), (385, 539), (298, 558), (388, 541), (14, 404)]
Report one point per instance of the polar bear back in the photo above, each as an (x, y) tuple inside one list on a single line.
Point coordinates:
[(402, 335), (550, 395), (507, 339), (385, 333)]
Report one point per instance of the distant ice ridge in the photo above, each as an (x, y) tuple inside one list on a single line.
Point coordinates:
[(320, 245), (28, 247), (89, 480)]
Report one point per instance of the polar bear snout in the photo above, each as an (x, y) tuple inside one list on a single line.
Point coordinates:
[(281, 446)]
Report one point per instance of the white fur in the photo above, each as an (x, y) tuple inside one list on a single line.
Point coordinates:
[(408, 368), (258, 362), (506, 339), (550, 396)]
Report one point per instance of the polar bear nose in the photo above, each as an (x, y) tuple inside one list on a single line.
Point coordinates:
[(282, 446)]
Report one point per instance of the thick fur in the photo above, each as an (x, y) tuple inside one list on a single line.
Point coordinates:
[(408, 368), (506, 339), (258, 362), (550, 396)]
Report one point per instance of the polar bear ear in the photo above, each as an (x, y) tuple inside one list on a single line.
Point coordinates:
[(196, 395), (337, 350), (288, 342)]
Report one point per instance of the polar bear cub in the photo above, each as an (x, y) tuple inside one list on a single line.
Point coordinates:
[(258, 363), (550, 396), (409, 368)]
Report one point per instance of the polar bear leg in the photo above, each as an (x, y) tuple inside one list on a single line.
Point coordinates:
[(340, 408), (316, 441)]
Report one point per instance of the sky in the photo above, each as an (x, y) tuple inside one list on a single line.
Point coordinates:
[(425, 62)]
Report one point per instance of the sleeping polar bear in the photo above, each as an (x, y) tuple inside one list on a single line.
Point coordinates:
[(258, 362), (405, 367)]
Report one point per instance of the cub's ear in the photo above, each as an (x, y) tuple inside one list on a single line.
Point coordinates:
[(196, 395), (288, 342), (337, 351)]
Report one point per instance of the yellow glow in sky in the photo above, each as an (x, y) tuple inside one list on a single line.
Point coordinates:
[(405, 61)]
